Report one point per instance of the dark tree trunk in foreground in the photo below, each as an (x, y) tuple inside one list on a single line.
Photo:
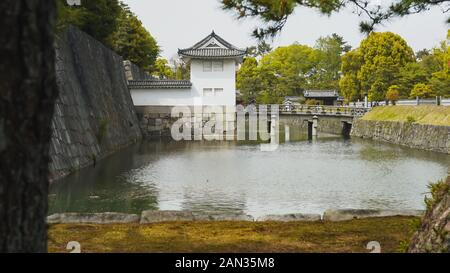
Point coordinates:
[(27, 95)]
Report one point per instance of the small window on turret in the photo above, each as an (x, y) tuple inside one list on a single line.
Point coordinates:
[(208, 92), (207, 66), (218, 66)]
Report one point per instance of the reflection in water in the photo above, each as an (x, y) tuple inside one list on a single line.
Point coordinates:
[(302, 176)]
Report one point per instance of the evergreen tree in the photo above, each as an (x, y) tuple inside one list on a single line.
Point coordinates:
[(248, 80), (112, 23), (375, 66), (162, 70), (133, 42)]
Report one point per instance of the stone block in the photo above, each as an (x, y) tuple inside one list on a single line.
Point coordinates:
[(92, 218), (156, 216), (294, 217), (350, 214)]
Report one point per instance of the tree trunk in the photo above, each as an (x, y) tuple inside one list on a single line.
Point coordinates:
[(27, 95)]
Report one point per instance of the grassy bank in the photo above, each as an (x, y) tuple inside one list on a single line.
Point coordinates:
[(348, 236), (423, 114)]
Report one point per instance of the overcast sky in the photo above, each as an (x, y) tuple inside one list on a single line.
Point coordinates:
[(181, 23)]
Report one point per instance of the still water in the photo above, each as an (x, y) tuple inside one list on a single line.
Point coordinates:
[(215, 177)]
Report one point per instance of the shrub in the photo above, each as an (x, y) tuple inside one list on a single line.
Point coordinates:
[(422, 91), (393, 93), (313, 102), (437, 191), (410, 119)]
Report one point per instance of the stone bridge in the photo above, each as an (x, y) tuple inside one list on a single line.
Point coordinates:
[(319, 110), (313, 120), (319, 119)]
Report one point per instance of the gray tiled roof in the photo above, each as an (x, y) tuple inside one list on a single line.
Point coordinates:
[(159, 84), (198, 50), (292, 98), (321, 94), (212, 53)]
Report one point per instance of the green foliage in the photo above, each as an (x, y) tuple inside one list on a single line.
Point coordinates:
[(410, 75), (416, 223), (275, 13), (260, 50), (248, 80), (436, 190), (95, 17), (440, 83), (403, 246), (410, 119), (433, 62), (182, 69), (440, 80), (267, 97), (384, 54), (313, 102), (422, 53), (374, 66), (162, 69), (133, 42), (330, 50), (414, 226), (430, 69), (384, 60), (289, 70), (69, 16), (113, 24), (349, 84), (422, 91)]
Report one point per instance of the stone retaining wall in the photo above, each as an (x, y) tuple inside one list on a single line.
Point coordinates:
[(413, 135), (94, 113), (134, 73)]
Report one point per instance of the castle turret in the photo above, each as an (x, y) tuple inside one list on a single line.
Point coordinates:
[(213, 64)]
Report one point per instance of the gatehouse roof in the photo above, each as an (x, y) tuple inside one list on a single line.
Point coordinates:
[(212, 47), (321, 93)]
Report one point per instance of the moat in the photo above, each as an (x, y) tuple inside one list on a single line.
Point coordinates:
[(221, 177)]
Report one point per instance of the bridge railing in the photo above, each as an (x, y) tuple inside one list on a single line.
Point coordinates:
[(323, 110), (407, 102)]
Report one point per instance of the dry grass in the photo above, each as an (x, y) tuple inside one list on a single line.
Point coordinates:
[(236, 237), (423, 114)]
